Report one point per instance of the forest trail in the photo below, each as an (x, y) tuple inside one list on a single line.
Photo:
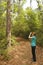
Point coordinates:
[(21, 54)]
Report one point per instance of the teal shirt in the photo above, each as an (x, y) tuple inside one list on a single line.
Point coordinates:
[(33, 41)]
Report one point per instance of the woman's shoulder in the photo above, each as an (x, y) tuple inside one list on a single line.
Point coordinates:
[(33, 36)]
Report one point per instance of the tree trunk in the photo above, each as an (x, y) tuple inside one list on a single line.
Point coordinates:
[(8, 24), (30, 3)]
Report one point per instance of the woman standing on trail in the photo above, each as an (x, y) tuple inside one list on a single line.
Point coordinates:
[(32, 36)]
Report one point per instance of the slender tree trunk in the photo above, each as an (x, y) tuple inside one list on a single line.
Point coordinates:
[(8, 24), (30, 3)]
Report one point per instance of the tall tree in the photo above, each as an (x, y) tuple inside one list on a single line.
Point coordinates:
[(8, 23)]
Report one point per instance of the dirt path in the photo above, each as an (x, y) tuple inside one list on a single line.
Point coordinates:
[(21, 54)]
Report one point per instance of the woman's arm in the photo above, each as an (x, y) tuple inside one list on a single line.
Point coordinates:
[(30, 35)]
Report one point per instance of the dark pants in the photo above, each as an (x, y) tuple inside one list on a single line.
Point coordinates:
[(33, 53)]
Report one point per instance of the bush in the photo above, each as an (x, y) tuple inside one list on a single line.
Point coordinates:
[(40, 38)]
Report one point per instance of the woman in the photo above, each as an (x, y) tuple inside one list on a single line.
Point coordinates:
[(32, 36)]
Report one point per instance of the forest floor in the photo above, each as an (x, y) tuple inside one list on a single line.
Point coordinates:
[(21, 54)]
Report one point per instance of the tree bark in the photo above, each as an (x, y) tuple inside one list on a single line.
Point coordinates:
[(8, 24)]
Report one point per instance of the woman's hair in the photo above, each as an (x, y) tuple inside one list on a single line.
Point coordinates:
[(34, 33)]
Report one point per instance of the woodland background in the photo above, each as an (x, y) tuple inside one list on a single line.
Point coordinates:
[(17, 22)]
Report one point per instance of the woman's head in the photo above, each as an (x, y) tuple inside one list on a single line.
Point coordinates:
[(33, 34)]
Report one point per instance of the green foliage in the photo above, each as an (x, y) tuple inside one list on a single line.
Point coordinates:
[(25, 22), (31, 19), (20, 28), (40, 30), (2, 20), (3, 43), (4, 55), (40, 37), (13, 41)]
